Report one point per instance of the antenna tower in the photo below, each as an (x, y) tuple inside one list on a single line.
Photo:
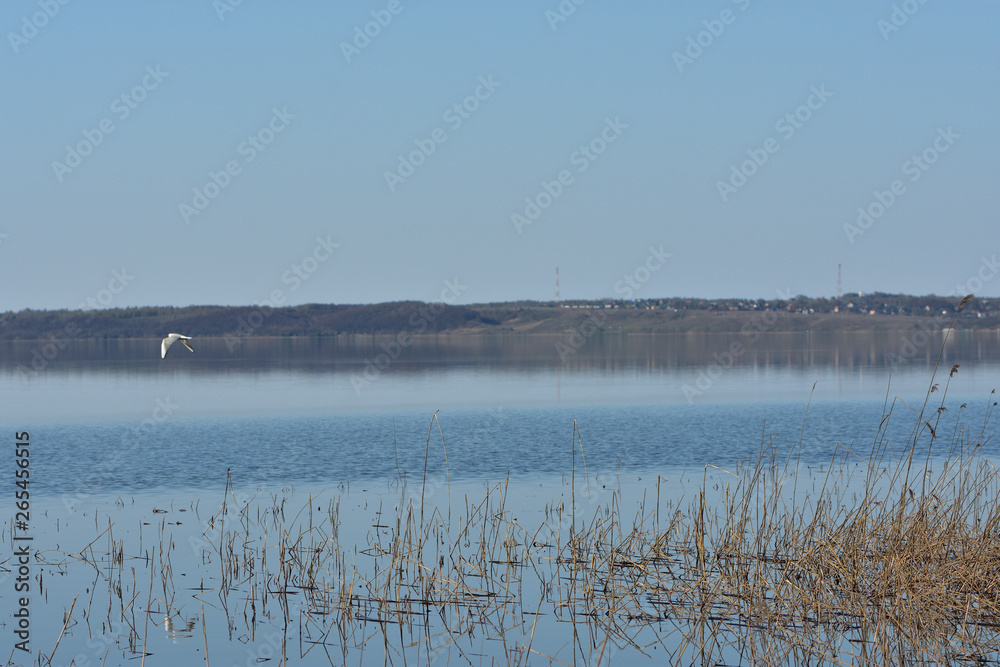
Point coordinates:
[(840, 292), (557, 286)]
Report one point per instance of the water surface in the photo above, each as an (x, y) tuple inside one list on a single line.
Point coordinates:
[(143, 447), (111, 415)]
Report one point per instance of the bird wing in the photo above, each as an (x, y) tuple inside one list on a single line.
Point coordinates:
[(169, 340)]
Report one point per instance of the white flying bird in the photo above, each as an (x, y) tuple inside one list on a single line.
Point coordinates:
[(169, 340)]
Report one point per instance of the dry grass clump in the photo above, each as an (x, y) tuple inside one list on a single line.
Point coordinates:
[(904, 570)]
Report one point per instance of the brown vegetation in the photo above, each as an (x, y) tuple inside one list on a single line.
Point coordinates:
[(770, 564)]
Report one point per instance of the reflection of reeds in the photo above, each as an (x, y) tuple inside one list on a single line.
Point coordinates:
[(766, 572), (772, 563)]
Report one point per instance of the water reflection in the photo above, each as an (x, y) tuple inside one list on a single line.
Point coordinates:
[(178, 628), (613, 352), (95, 379), (310, 409)]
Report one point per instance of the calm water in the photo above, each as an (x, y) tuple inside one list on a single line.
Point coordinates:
[(124, 442), (112, 416)]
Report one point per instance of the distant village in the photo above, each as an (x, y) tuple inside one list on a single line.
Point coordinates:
[(876, 303)]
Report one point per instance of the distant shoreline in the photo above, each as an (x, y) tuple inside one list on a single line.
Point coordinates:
[(411, 318)]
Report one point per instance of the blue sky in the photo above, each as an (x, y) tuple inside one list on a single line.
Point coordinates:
[(248, 159)]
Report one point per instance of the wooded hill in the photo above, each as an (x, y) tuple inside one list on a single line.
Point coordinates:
[(306, 320), (871, 312)]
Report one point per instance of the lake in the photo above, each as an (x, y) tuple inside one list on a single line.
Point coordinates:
[(133, 450)]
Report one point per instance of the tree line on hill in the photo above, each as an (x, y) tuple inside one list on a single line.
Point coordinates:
[(305, 320), (416, 317)]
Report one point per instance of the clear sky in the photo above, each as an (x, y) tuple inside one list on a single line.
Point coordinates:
[(200, 152)]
